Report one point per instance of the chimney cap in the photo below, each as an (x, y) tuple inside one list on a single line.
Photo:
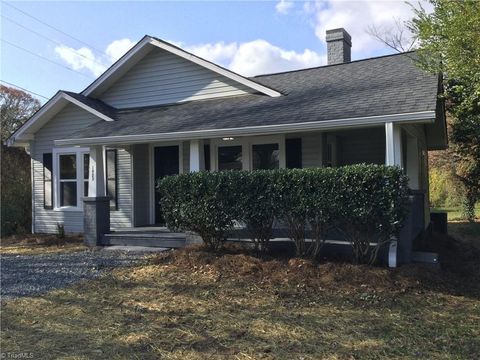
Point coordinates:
[(339, 34)]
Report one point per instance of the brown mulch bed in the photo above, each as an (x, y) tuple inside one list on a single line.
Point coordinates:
[(458, 273)]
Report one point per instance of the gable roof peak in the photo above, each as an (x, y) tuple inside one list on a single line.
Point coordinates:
[(145, 45)]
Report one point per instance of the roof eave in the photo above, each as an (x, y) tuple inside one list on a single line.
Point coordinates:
[(22, 136), (424, 117)]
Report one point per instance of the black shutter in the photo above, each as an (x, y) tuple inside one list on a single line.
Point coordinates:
[(206, 153), (111, 177), (47, 181), (293, 153)]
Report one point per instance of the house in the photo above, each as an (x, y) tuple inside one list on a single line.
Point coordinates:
[(160, 110)]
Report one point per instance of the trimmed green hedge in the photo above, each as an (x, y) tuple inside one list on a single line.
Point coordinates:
[(368, 203)]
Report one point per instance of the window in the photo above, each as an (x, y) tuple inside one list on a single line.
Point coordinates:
[(68, 180), (47, 181), (230, 157), (111, 177), (70, 172), (265, 156), (293, 153)]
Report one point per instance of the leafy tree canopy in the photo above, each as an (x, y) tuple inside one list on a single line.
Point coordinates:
[(449, 43), (16, 107)]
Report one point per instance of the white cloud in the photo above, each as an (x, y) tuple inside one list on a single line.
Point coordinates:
[(249, 58), (261, 57), (256, 57), (80, 59), (356, 17), (284, 6), (219, 52), (118, 48), (84, 58)]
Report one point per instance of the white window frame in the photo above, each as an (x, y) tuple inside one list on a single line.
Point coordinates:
[(78, 152)]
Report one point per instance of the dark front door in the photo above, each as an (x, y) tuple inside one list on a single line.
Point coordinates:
[(166, 162)]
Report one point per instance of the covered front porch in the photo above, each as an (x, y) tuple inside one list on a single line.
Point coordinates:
[(135, 217)]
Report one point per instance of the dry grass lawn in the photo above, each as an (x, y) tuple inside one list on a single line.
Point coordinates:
[(34, 244), (190, 304)]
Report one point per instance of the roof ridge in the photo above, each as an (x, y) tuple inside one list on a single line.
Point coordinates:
[(332, 65)]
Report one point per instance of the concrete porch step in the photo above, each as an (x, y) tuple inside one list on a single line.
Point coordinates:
[(163, 239)]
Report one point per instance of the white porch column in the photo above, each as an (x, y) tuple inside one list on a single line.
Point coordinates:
[(393, 156), (197, 156), (96, 176), (393, 150)]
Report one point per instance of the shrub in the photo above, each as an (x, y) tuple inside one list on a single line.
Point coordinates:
[(367, 202), (201, 202), (372, 205), (322, 189), (258, 201), (292, 210)]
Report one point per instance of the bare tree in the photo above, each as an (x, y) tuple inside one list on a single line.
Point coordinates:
[(397, 37)]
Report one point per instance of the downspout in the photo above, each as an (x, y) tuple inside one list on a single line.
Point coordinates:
[(392, 254)]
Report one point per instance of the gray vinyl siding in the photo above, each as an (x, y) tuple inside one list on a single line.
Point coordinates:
[(311, 150), (67, 121), (361, 146), (141, 191), (163, 78), (123, 216)]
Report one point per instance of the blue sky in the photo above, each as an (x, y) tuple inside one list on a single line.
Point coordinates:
[(249, 37)]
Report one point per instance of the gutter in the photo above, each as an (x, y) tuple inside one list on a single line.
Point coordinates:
[(417, 117)]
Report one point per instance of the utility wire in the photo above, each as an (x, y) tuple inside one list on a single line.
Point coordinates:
[(54, 28), (52, 40), (44, 58), (21, 88)]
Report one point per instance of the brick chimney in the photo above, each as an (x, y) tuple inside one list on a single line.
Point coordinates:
[(339, 45)]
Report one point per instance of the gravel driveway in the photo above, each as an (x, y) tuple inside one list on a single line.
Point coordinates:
[(28, 275)]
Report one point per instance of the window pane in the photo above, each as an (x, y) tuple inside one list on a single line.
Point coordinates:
[(85, 188), (68, 193), (68, 166), (230, 158), (86, 164), (265, 156)]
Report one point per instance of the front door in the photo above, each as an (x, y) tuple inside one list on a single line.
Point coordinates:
[(166, 162)]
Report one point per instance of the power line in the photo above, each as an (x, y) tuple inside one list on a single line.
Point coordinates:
[(21, 88), (54, 28), (49, 39), (44, 58)]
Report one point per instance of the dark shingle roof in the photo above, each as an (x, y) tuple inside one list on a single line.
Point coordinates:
[(95, 104), (378, 86)]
